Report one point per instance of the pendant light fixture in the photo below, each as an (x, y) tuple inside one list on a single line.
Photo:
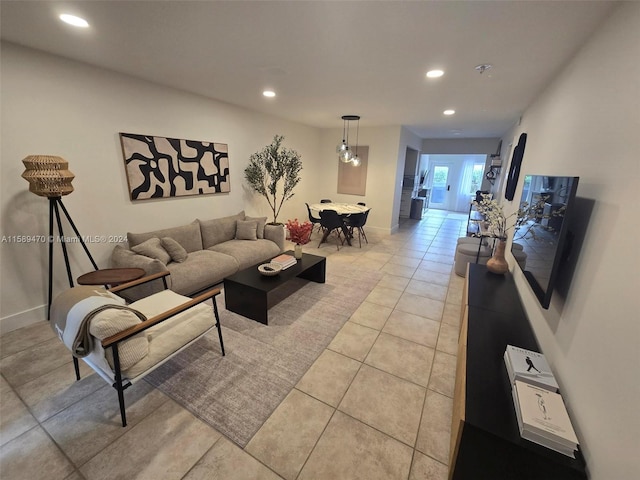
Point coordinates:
[(355, 160), (345, 153)]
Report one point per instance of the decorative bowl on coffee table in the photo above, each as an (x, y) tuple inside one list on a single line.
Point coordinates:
[(269, 269)]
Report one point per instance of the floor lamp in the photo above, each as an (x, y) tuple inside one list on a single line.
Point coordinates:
[(49, 176)]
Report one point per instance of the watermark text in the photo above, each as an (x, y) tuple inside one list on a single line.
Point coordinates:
[(63, 238)]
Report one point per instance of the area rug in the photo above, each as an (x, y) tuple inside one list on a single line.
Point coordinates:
[(236, 393)]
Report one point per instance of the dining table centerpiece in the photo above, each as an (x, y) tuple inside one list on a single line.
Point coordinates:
[(298, 233)]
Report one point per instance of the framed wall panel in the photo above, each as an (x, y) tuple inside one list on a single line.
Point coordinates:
[(159, 167), (353, 180)]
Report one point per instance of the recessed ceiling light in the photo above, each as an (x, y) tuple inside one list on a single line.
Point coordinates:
[(73, 20), (449, 112), (435, 73), (269, 93)]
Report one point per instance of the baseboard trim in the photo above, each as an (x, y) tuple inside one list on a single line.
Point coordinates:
[(23, 319)]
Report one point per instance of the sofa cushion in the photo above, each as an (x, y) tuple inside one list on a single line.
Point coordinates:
[(186, 235), (201, 270), (174, 249), (169, 336), (111, 321), (259, 251), (219, 230), (262, 221), (246, 230), (152, 248)]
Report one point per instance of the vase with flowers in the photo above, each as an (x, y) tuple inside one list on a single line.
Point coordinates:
[(299, 233), (497, 225)]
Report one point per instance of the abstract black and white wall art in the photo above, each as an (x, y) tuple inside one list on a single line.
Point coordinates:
[(159, 167)]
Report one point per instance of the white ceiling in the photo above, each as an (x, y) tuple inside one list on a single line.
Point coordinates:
[(326, 59)]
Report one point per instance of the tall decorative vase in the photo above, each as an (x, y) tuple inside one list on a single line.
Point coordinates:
[(297, 251), (498, 264)]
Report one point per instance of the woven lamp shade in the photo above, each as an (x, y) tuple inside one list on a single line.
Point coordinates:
[(48, 176)]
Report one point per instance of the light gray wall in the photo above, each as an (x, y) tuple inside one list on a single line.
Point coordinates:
[(382, 168), (454, 146), (586, 124), (54, 106)]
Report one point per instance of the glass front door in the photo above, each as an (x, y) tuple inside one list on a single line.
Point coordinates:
[(440, 187)]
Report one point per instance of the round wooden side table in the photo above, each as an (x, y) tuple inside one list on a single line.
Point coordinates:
[(111, 276)]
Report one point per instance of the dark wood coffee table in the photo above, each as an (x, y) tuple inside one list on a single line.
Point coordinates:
[(111, 276), (250, 294)]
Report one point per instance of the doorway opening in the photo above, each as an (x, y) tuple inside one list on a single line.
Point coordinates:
[(454, 180)]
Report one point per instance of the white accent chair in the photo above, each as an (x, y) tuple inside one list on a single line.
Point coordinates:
[(173, 322)]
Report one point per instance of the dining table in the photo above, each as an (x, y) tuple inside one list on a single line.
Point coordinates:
[(343, 209)]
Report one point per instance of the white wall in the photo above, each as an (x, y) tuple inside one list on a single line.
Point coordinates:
[(456, 146), (54, 106), (470, 146), (586, 124), (382, 168)]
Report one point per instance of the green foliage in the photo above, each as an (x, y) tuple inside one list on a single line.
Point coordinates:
[(274, 172)]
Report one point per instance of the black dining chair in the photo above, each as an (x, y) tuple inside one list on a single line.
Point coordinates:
[(356, 222), (326, 200), (331, 222), (314, 220)]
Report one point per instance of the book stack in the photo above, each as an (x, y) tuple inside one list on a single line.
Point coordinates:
[(540, 410), (543, 418), (529, 367), (285, 260)]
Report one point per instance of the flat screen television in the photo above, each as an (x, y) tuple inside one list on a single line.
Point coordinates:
[(544, 236)]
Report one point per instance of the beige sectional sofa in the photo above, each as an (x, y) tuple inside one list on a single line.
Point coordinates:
[(200, 254)]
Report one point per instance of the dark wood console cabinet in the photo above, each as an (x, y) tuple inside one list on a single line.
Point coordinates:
[(485, 440)]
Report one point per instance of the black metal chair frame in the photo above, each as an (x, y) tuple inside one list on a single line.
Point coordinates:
[(314, 220), (332, 221), (113, 341), (356, 221)]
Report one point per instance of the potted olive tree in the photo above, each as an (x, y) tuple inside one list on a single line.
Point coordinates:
[(274, 172)]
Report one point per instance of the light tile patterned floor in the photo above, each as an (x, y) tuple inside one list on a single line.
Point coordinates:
[(375, 405)]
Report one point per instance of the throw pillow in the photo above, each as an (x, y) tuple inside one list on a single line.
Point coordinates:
[(246, 230), (174, 249), (186, 235), (262, 221), (152, 248), (113, 320)]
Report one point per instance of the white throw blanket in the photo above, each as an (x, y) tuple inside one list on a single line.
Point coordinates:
[(72, 311)]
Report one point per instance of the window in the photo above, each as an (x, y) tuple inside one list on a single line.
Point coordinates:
[(476, 178)]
